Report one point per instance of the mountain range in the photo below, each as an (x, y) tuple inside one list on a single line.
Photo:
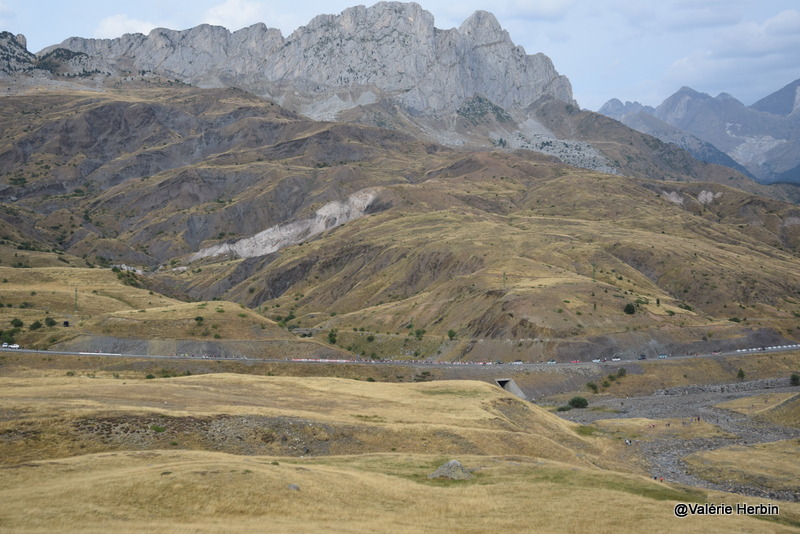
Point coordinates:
[(439, 189), (762, 140)]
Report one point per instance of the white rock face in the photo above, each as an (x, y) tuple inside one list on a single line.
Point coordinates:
[(277, 237), (391, 49), (707, 197)]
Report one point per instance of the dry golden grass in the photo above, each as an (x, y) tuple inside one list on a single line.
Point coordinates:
[(96, 302), (670, 373), (649, 429), (532, 470), (768, 465), (178, 491), (786, 413), (757, 405), (451, 416)]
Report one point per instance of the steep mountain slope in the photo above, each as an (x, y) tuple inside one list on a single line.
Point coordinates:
[(641, 118), (328, 227), (784, 102), (385, 66)]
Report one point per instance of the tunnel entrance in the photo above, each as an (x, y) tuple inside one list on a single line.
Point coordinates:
[(509, 385)]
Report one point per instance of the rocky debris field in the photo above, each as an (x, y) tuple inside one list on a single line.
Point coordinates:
[(664, 454)]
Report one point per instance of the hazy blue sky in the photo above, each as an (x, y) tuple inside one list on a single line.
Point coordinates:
[(628, 49)]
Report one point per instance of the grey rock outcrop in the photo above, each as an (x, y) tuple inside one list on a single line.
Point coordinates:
[(277, 237), (453, 470), (337, 62), (14, 56)]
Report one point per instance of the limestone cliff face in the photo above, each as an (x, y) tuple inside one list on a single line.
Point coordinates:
[(14, 55), (389, 51)]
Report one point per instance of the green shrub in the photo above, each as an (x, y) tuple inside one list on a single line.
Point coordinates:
[(629, 308), (578, 402), (592, 386), (794, 379), (564, 408)]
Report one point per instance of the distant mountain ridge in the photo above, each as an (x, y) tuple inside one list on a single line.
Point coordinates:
[(390, 50), (763, 139), (386, 65)]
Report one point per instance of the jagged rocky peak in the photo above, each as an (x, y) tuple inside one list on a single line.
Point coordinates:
[(483, 27), (14, 55), (614, 108), (398, 17), (391, 50)]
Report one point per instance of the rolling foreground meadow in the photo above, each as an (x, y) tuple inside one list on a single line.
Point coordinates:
[(103, 448)]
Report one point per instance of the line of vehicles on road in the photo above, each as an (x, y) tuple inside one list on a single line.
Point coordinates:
[(12, 346)]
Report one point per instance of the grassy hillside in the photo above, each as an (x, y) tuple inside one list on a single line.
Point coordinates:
[(235, 453), (461, 255)]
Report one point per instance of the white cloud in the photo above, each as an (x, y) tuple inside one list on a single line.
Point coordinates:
[(6, 15), (748, 60), (777, 35), (117, 25)]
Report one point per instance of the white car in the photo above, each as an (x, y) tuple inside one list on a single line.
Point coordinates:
[(616, 359), (596, 360), (14, 346)]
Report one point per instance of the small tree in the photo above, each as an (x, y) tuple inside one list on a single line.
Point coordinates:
[(16, 322), (35, 325), (49, 321), (629, 308), (578, 402), (332, 337), (451, 334), (740, 374), (794, 379)]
